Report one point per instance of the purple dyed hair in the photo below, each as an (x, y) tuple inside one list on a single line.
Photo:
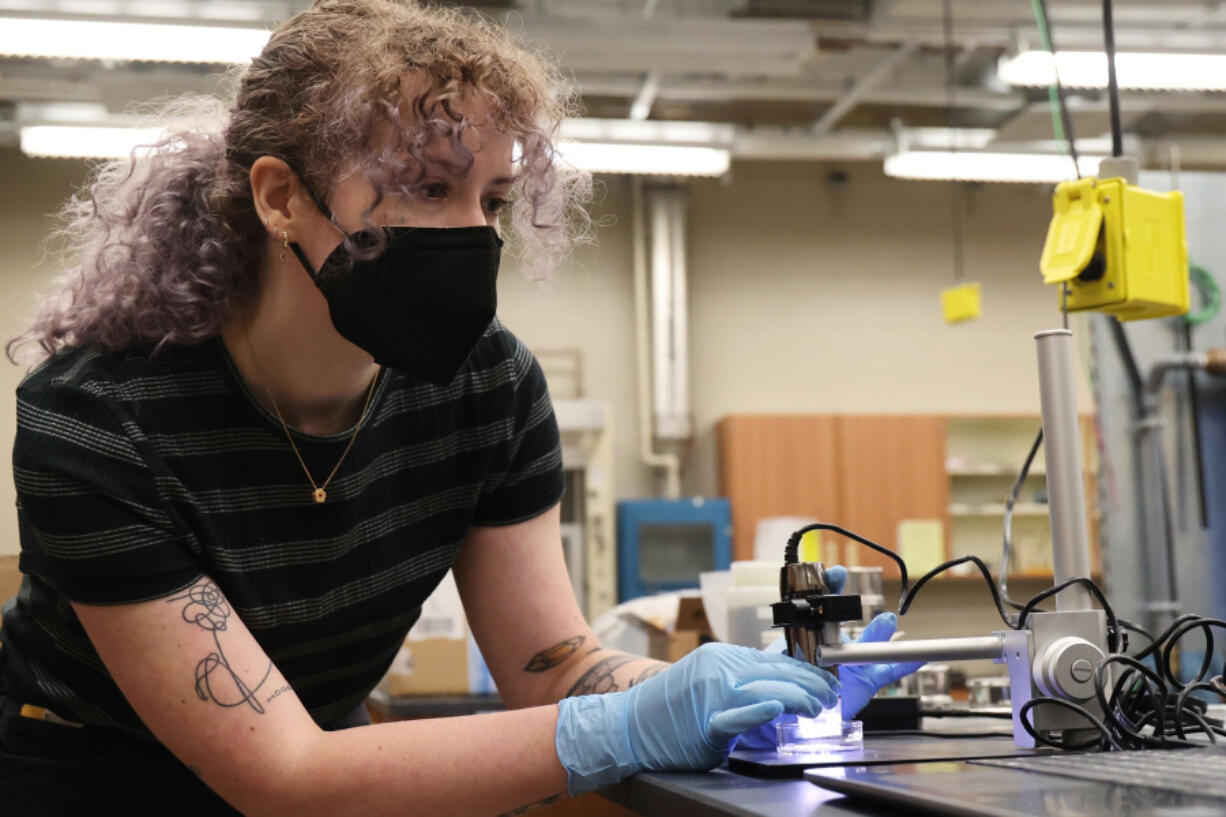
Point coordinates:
[(160, 246)]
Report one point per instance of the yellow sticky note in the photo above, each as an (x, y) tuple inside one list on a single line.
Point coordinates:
[(962, 303), (921, 543), (811, 546)]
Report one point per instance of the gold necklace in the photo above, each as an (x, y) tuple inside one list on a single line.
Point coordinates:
[(320, 492)]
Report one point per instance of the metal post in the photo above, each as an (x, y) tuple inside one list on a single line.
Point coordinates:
[(1065, 478), (929, 649)]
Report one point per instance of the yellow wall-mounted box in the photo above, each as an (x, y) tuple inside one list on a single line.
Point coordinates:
[(1117, 248)]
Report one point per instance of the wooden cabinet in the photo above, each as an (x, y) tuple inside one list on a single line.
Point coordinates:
[(868, 473), (863, 473), (892, 469), (778, 465)]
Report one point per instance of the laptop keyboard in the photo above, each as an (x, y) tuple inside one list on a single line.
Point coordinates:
[(1188, 771)]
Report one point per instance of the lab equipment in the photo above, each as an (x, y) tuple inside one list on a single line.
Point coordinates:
[(1200, 770), (1056, 660), (930, 683), (881, 750), (972, 788), (988, 693), (663, 544), (811, 611), (686, 717)]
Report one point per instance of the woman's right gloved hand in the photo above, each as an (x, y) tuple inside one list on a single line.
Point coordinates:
[(685, 718)]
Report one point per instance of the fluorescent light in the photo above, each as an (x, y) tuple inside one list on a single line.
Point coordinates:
[(649, 131), (1088, 69), (78, 142), (947, 138), (71, 141), (669, 160), (103, 40), (986, 167)]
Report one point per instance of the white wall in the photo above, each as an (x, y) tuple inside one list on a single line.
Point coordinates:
[(804, 298), (810, 298)]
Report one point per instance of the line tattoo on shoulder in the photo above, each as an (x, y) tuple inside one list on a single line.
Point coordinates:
[(207, 608), (555, 655), (600, 678)]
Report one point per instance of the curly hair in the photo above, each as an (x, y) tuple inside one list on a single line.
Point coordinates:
[(159, 246)]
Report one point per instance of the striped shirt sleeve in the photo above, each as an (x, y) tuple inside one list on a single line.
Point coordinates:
[(527, 479), (94, 526)]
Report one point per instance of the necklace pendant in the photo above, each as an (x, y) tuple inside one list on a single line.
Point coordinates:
[(320, 495)]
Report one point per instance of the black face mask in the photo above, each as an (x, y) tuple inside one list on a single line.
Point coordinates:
[(420, 306)]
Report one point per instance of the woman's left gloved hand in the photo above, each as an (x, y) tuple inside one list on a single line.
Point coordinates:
[(859, 683)]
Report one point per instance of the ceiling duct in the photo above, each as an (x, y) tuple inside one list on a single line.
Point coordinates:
[(856, 11)]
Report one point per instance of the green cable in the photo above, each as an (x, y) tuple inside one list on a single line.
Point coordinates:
[(1052, 96), (1211, 296)]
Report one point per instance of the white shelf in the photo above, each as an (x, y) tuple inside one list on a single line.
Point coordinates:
[(993, 471), (997, 509)]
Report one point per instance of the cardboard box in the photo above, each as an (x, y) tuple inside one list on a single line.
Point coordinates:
[(690, 632), (10, 578), (439, 656), (431, 666)]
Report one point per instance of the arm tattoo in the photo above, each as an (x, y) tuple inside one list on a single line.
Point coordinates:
[(599, 678), (555, 655), (650, 672), (533, 806), (207, 608)]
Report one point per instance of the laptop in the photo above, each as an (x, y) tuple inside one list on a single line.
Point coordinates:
[(1177, 782)]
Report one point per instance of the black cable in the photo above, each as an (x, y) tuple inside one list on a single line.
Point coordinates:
[(1173, 641), (957, 215), (1079, 709), (1156, 643), (1112, 623), (1109, 705), (1181, 701), (1113, 88), (1185, 338), (1124, 348), (790, 553), (1136, 628), (908, 594), (1010, 501)]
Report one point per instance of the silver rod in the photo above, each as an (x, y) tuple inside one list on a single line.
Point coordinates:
[(1070, 543), (927, 649)]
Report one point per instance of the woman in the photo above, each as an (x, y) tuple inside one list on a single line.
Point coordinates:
[(276, 408)]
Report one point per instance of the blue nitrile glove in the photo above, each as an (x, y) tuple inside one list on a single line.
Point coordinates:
[(860, 683), (687, 717)]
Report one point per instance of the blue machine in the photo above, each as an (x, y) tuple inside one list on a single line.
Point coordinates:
[(663, 544)]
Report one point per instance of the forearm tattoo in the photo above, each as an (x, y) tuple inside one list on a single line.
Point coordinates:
[(555, 655), (599, 678), (215, 680), (650, 672)]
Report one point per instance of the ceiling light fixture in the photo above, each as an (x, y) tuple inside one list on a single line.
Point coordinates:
[(1139, 71), (934, 165), (108, 40)]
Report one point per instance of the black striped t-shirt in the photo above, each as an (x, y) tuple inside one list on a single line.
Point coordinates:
[(137, 473)]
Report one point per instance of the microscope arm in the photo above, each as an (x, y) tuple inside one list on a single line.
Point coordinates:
[(1057, 655), (929, 649)]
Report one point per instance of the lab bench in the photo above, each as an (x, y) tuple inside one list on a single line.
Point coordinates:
[(721, 793)]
